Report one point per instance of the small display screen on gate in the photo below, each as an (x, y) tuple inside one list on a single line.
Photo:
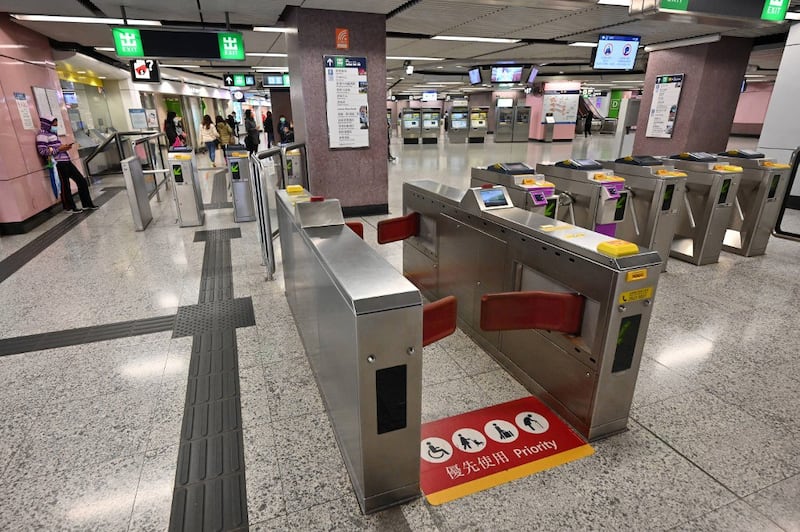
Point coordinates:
[(493, 197)]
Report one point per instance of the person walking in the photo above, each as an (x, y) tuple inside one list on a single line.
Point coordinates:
[(269, 127), (50, 147), (210, 137), (170, 129), (587, 125), (252, 133), (225, 135)]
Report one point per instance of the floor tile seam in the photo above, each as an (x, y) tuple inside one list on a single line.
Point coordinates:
[(682, 455), (138, 484), (738, 499), (83, 467), (742, 408)]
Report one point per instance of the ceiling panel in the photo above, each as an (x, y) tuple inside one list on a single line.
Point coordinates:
[(45, 7), (436, 17), (591, 18), (86, 34), (654, 31), (506, 22), (459, 50), (370, 6), (538, 53)]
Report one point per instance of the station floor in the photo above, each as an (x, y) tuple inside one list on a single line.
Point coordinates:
[(89, 433)]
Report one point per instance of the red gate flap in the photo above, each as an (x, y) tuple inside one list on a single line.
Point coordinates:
[(439, 320), (550, 311), (395, 229), (357, 227)]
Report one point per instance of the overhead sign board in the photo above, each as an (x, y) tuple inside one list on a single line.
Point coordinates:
[(758, 11), (239, 80), (145, 71), (135, 42), (276, 79)]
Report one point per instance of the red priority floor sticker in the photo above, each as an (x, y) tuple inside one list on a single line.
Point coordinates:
[(475, 451)]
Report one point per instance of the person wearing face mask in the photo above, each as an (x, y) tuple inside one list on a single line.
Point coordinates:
[(170, 129), (49, 146), (283, 129)]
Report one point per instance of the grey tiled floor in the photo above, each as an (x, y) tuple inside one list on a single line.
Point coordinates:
[(88, 437)]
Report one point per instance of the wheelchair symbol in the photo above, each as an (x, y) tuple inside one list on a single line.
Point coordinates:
[(435, 450)]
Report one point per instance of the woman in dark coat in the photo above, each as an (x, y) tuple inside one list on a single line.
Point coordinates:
[(587, 125), (170, 129), (252, 139), (269, 128)]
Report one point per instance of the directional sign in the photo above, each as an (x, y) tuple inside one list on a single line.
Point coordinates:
[(239, 80), (144, 42), (228, 79), (145, 71)]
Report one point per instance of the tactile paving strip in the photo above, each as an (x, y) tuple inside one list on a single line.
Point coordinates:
[(28, 252), (210, 489), (219, 192), (85, 335)]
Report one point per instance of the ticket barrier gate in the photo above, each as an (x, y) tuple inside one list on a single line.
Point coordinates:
[(757, 203), (241, 183), (185, 187), (411, 126), (527, 189), (136, 186), (711, 186), (563, 309), (592, 197), (656, 196), (363, 327)]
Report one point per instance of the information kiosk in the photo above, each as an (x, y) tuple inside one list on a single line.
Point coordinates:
[(527, 189), (656, 195), (478, 124), (431, 120), (592, 197), (757, 203), (711, 187), (185, 187), (411, 126)]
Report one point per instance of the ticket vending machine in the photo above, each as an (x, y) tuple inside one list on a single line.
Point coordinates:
[(527, 189), (656, 194), (593, 197), (458, 127), (412, 126), (757, 203), (504, 124), (185, 187), (478, 124), (431, 120), (522, 123), (711, 187), (241, 183)]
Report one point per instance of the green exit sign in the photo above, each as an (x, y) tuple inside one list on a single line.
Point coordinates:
[(231, 46), (128, 42), (238, 80), (775, 10), (678, 5)]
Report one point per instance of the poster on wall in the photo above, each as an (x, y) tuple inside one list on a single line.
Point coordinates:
[(346, 101), (24, 111), (138, 118), (664, 108), (47, 105), (152, 118), (563, 104)]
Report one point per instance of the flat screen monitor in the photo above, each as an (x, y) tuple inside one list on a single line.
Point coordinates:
[(493, 197), (277, 79), (459, 124), (475, 76), (532, 75), (505, 102), (70, 98), (616, 52), (506, 74), (429, 96)]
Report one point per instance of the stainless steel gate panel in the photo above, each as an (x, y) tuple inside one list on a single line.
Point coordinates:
[(361, 326)]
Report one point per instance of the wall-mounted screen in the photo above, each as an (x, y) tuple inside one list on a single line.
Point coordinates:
[(475, 76), (277, 79), (505, 102), (506, 74), (429, 96), (616, 52), (532, 75)]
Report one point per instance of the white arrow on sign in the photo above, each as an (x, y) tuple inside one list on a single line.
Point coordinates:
[(330, 62), (228, 79)]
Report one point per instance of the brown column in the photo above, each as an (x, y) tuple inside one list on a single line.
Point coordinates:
[(356, 177), (710, 93), (281, 102)]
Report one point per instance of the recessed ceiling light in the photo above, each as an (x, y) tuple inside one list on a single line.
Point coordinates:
[(623, 3), (272, 29), (791, 15), (85, 20), (81, 72), (179, 66), (474, 39), (104, 48), (412, 58), (584, 44), (264, 54), (101, 77)]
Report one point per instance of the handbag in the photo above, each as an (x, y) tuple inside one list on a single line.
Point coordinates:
[(178, 143)]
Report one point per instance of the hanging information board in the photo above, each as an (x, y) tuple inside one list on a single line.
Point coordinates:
[(664, 107), (346, 101)]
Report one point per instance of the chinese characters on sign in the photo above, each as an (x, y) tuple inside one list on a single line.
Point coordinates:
[(347, 102), (477, 450), (664, 108), (24, 111)]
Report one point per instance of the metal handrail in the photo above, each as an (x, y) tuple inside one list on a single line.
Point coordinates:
[(301, 146), (115, 137), (777, 231)]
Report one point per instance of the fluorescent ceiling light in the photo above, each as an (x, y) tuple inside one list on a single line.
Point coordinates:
[(270, 69), (755, 76), (85, 20), (264, 54), (624, 3), (584, 44), (410, 58), (179, 66), (474, 39), (707, 39), (272, 29), (791, 15), (105, 48)]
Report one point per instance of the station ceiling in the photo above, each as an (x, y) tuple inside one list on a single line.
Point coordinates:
[(546, 27)]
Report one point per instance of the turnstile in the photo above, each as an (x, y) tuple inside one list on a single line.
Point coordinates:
[(503, 124), (527, 189), (478, 124), (474, 245), (411, 126), (241, 183), (592, 197), (361, 326), (431, 119), (459, 125), (711, 187), (185, 187), (136, 186), (656, 195), (757, 203)]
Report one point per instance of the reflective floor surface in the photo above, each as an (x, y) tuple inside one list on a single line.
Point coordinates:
[(89, 433)]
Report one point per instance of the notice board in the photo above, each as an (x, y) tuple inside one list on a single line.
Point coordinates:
[(346, 101), (47, 104), (664, 107)]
